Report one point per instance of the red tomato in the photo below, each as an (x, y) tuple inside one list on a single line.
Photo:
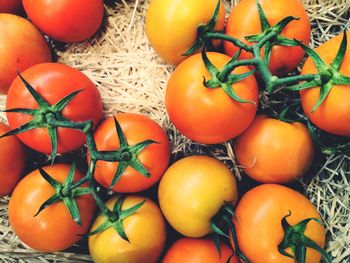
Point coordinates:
[(258, 223), (197, 251), (10, 6), (66, 20), (333, 115), (21, 46), (244, 21), (12, 161), (53, 229), (54, 81), (274, 151), (209, 115), (155, 157)]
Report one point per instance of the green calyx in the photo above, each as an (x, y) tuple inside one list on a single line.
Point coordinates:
[(115, 217), (66, 193), (46, 116), (328, 75), (202, 30), (271, 35), (221, 223), (295, 239), (224, 79)]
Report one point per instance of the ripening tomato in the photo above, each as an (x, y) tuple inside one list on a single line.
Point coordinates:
[(192, 191), (333, 115), (258, 223), (274, 151), (145, 229), (192, 250), (10, 6), (208, 115), (66, 20), (21, 46), (54, 81), (155, 157), (244, 21), (12, 161), (171, 25), (53, 229)]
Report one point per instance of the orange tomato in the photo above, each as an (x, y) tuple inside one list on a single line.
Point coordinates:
[(192, 250), (333, 115), (53, 229), (274, 151), (145, 229), (244, 21), (207, 115), (171, 25), (12, 161), (21, 46), (258, 223)]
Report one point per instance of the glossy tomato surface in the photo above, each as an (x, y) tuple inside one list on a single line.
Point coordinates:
[(274, 151), (155, 157), (258, 223), (53, 229), (54, 81), (244, 21), (333, 115), (209, 115), (145, 229), (191, 250), (12, 161), (192, 191), (21, 46), (66, 20), (171, 25)]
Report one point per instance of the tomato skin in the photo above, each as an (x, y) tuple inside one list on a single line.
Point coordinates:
[(21, 46), (54, 81), (258, 226), (274, 151), (171, 26), (244, 21), (197, 251), (10, 6), (66, 20), (192, 191), (155, 157), (209, 115), (333, 115), (12, 161), (53, 229), (146, 231)]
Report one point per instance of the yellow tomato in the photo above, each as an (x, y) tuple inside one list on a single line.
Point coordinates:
[(145, 230), (171, 25), (192, 191)]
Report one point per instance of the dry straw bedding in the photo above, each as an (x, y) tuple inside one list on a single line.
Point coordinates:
[(132, 78)]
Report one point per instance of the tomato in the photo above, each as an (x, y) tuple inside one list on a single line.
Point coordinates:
[(192, 191), (197, 251), (155, 157), (66, 20), (244, 21), (21, 46), (274, 151), (54, 81), (333, 115), (145, 229), (53, 229), (258, 223), (12, 161), (10, 6), (209, 115), (171, 26)]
